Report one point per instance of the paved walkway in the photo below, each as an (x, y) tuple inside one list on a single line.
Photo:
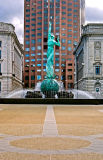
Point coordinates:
[(50, 127), (50, 130)]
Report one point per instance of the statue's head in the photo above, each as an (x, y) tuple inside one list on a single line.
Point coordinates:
[(52, 36)]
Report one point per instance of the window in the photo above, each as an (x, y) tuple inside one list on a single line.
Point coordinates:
[(32, 60), (0, 54), (69, 41), (70, 85), (32, 48), (63, 47), (38, 70), (69, 20), (0, 68), (33, 35), (39, 40), (38, 59), (26, 55), (56, 53), (27, 49), (97, 89), (27, 36), (70, 14), (27, 20), (69, 30), (69, 25), (26, 77), (33, 54), (69, 48), (33, 41), (38, 53), (70, 77), (32, 77), (75, 10), (56, 70), (69, 70), (40, 18), (32, 29), (27, 42), (38, 65), (33, 14), (63, 40), (27, 31), (69, 9), (56, 59), (69, 64), (39, 34), (57, 64), (97, 70), (27, 60), (63, 59), (38, 77), (28, 15), (63, 65), (69, 35), (27, 25), (27, 10), (39, 47), (33, 19), (0, 86), (63, 77)]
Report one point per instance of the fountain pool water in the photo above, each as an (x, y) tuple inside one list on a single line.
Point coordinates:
[(18, 93), (78, 94)]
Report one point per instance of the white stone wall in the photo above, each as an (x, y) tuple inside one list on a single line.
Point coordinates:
[(11, 60), (89, 81)]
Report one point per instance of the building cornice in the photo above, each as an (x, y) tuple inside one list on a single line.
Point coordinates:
[(13, 34)]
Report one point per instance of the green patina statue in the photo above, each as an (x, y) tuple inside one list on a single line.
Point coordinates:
[(49, 86), (50, 54)]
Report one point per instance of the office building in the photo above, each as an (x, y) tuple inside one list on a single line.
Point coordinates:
[(66, 21)]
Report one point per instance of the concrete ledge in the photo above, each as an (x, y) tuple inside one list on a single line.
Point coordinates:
[(50, 101)]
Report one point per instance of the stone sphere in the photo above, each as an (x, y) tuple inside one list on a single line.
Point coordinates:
[(49, 85)]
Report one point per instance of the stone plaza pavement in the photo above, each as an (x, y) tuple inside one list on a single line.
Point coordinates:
[(50, 130)]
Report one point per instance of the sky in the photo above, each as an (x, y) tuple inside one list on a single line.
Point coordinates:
[(12, 11)]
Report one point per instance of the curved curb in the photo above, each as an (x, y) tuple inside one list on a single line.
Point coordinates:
[(96, 145)]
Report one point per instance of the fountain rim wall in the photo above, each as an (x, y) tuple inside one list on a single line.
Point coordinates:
[(63, 101)]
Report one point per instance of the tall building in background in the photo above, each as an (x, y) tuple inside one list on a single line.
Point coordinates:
[(66, 23)]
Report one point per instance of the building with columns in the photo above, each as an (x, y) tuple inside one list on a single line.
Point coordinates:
[(66, 17), (89, 60), (11, 60)]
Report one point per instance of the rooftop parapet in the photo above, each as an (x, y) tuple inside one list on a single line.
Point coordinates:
[(6, 27), (92, 28)]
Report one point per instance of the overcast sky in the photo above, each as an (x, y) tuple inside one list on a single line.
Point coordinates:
[(11, 11)]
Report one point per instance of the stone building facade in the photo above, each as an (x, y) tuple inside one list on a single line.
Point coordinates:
[(89, 60), (11, 59)]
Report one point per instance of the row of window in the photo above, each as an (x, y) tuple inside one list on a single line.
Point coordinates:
[(56, 53), (40, 40), (63, 2), (45, 33), (39, 77), (44, 64), (39, 48)]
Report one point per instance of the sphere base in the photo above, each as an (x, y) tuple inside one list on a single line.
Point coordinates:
[(49, 87)]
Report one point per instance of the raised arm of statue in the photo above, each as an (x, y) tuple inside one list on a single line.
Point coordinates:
[(49, 31), (58, 42)]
